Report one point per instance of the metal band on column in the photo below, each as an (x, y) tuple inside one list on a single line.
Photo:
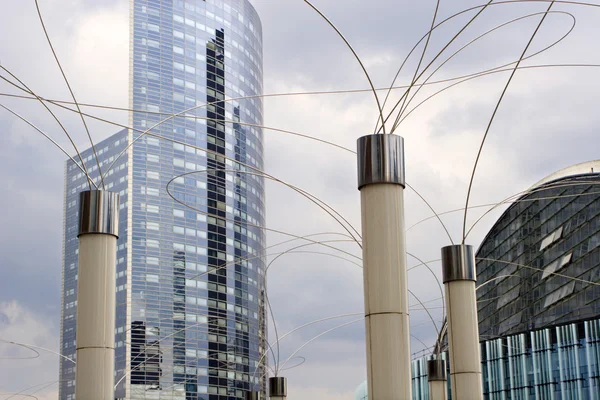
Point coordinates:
[(278, 386), (458, 263), (98, 212), (253, 396), (436, 370), (380, 160)]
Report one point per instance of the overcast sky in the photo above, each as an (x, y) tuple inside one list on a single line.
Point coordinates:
[(548, 120)]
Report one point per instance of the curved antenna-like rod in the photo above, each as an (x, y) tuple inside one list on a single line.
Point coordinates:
[(494, 115), (511, 200), (379, 108), (37, 347), (414, 79), (436, 279), (435, 214), (253, 168), (325, 254), (49, 138), (26, 89), (275, 360), (37, 353), (309, 196), (31, 395), (422, 263), (304, 326), (573, 278), (403, 98), (426, 310), (297, 365), (500, 277), (535, 199), (318, 336), (39, 12), (305, 245), (428, 35), (500, 66)]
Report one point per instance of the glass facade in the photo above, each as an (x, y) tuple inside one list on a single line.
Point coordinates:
[(190, 279), (538, 275), (551, 234)]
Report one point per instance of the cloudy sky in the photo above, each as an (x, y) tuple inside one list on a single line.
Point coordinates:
[(548, 120)]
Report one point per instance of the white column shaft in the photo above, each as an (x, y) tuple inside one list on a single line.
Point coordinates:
[(96, 317), (437, 390), (386, 292), (463, 340)]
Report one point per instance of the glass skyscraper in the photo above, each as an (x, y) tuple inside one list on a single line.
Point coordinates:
[(191, 320), (538, 273)]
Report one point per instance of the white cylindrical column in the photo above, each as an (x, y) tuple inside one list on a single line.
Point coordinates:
[(381, 183), (437, 379), (277, 388), (95, 336), (458, 270)]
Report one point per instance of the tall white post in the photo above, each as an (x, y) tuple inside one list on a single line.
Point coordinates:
[(381, 181), (437, 379), (95, 336), (278, 388), (458, 270)]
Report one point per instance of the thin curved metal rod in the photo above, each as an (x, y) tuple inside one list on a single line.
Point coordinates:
[(494, 115), (31, 395), (49, 138), (500, 66), (320, 243), (37, 353), (317, 337), (421, 264), (127, 373), (251, 167), (26, 89), (379, 108), (436, 279), (540, 270), (296, 366), (37, 347), (495, 279), (325, 254), (265, 274), (309, 196), (438, 55), (435, 214), (428, 34), (426, 310), (497, 3), (414, 79), (564, 196), (39, 12), (275, 360), (306, 245), (304, 326), (511, 200)]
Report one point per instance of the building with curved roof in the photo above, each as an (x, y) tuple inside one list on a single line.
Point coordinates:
[(538, 278)]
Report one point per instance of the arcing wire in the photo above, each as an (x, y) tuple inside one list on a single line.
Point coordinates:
[(379, 108), (49, 138), (37, 6), (492, 119), (498, 67), (26, 89)]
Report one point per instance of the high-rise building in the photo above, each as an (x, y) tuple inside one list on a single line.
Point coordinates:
[(190, 317), (538, 277)]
